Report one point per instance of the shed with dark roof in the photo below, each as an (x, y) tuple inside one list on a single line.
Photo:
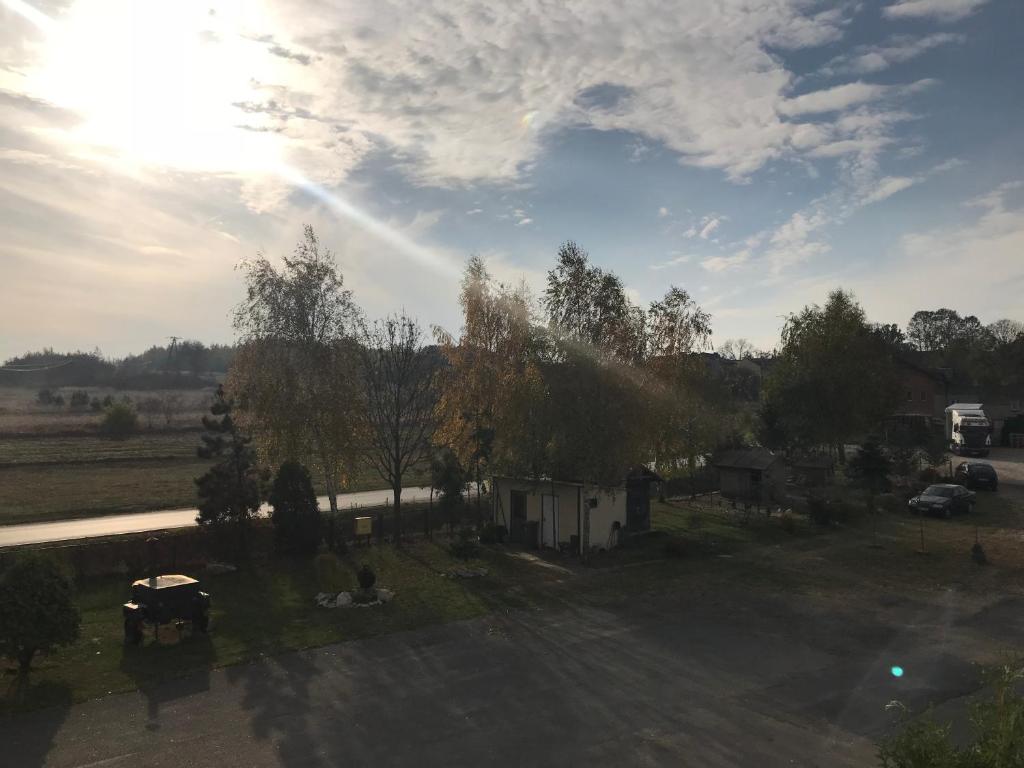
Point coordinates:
[(753, 475)]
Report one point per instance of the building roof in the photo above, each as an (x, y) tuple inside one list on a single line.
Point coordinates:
[(750, 458)]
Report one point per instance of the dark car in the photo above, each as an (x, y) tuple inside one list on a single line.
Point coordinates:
[(976, 474), (162, 600), (943, 499)]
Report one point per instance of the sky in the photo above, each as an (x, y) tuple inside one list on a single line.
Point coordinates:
[(756, 154)]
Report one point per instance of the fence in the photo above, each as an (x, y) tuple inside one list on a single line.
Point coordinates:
[(184, 549)]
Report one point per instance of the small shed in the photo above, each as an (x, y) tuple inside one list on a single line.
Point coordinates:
[(814, 469), (638, 497), (754, 475), (558, 514)]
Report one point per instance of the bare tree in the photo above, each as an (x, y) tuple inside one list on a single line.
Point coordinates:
[(398, 375)]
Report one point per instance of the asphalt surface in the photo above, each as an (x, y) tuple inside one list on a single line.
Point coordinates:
[(113, 525), (713, 680)]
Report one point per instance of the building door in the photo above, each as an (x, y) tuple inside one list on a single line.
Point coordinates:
[(517, 521), (549, 520)]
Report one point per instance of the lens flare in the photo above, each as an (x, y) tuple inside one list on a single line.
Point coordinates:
[(897, 671)]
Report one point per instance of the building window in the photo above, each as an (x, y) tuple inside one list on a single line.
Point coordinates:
[(1015, 405), (923, 396), (910, 396)]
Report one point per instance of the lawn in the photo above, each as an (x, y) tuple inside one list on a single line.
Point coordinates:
[(266, 609)]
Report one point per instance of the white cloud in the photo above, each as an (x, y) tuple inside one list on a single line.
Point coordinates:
[(870, 59), (726, 263), (459, 90), (888, 187), (662, 212), (710, 225), (524, 221), (833, 99), (941, 10), (673, 262)]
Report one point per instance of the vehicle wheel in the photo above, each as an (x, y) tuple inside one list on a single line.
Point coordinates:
[(970, 508), (132, 631), (947, 512)]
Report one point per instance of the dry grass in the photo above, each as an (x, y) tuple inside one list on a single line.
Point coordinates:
[(20, 413)]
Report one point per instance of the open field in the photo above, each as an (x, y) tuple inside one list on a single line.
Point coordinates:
[(20, 413), (54, 465)]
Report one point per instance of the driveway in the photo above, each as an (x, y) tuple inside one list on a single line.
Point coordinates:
[(710, 678)]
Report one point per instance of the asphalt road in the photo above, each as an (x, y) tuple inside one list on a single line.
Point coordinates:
[(140, 522), (715, 680)]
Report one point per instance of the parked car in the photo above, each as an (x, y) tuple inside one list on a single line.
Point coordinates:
[(976, 474), (162, 600), (943, 499)]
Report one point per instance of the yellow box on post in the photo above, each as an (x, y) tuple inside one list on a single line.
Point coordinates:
[(364, 526)]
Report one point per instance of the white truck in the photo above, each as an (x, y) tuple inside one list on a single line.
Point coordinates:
[(968, 430)]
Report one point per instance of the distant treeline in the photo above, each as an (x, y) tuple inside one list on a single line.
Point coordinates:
[(182, 365)]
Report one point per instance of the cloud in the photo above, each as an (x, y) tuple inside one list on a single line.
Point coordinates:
[(673, 262), (888, 187), (710, 225), (940, 10), (725, 263), (524, 221), (870, 59), (662, 212)]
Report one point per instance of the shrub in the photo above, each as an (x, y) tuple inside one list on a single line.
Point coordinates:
[(675, 547), (819, 510), (79, 399), (493, 534), (96, 405), (44, 397), (928, 475), (119, 420), (787, 521), (330, 573), (997, 732), (36, 610), (466, 545), (366, 577), (295, 515)]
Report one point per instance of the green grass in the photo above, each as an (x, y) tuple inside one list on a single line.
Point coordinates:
[(54, 478), (264, 610), (59, 450), (61, 491)]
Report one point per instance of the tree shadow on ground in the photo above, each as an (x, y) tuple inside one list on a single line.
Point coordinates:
[(28, 738)]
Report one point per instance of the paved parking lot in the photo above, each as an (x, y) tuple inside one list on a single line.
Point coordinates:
[(713, 678)]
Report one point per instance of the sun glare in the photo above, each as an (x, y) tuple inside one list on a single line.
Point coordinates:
[(157, 83)]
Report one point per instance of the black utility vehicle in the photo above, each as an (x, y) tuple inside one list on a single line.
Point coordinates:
[(162, 600)]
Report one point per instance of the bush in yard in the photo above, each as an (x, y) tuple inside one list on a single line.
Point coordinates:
[(119, 421), (996, 740), (466, 545), (787, 521), (295, 515), (366, 577), (36, 610), (493, 534), (819, 510), (675, 547), (95, 405), (330, 573), (79, 399), (928, 475), (44, 397)]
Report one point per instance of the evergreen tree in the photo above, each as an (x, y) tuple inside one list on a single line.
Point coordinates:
[(295, 512), (231, 491)]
